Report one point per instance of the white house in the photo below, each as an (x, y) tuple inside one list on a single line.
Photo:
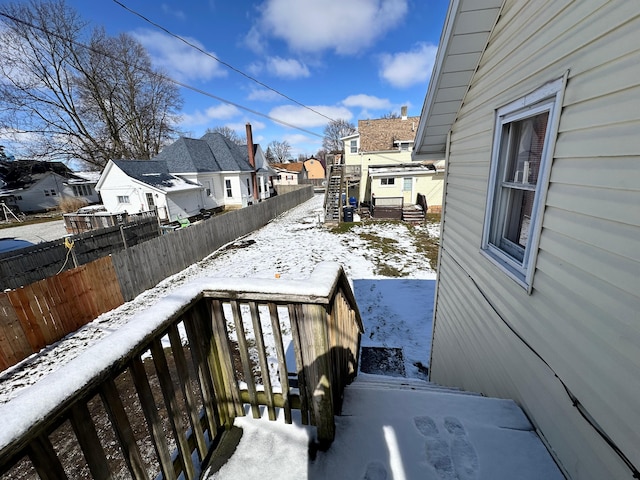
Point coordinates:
[(141, 185), (536, 106), (221, 167), (35, 186)]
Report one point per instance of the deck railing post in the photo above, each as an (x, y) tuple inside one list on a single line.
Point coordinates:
[(312, 328)]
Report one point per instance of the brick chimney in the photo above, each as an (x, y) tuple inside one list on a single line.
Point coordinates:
[(252, 161), (403, 112)]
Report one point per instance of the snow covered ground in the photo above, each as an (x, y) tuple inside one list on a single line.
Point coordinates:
[(290, 246)]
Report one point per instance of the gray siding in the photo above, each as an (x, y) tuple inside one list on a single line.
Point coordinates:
[(583, 315)]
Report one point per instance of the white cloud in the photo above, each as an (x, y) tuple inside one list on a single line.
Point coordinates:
[(216, 112), (404, 69), (346, 27), (305, 118), (184, 62), (367, 102), (287, 68), (179, 14), (262, 94)]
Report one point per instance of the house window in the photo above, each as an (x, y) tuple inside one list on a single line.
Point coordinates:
[(227, 184), (248, 186), (53, 193), (520, 167), (46, 193), (404, 146), (123, 198), (150, 201), (353, 145), (388, 181)]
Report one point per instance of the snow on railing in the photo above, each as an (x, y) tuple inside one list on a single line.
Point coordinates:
[(155, 396)]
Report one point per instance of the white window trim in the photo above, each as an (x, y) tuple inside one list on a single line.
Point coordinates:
[(549, 98), (388, 185)]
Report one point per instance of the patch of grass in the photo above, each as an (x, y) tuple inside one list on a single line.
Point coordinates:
[(343, 227), (428, 246)]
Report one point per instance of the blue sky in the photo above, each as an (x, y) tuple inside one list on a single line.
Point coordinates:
[(349, 59)]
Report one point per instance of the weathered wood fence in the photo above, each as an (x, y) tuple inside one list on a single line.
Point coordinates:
[(106, 417), (30, 264), (43, 312)]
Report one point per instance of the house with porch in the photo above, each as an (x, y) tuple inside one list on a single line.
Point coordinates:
[(387, 143), (535, 107), (222, 167)]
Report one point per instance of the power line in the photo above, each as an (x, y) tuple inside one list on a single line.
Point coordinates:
[(228, 65), (157, 74)]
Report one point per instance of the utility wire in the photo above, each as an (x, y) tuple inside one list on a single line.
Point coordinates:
[(157, 74), (228, 65)]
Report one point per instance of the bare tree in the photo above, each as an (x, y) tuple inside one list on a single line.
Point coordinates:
[(86, 97), (281, 150), (333, 132), (228, 132)]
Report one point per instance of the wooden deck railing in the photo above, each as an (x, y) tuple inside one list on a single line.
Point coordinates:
[(155, 396)]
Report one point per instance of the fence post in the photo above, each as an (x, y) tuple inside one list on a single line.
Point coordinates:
[(124, 239), (312, 328)]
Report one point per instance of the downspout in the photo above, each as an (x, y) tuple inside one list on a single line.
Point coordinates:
[(442, 215), (252, 161)]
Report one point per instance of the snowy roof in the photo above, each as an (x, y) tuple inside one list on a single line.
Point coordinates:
[(155, 174), (84, 177), (211, 153)]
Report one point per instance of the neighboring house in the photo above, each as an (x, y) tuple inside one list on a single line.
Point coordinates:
[(315, 171), (141, 185), (221, 167), (84, 186), (384, 142), (537, 106), (289, 173), (407, 181), (32, 186)]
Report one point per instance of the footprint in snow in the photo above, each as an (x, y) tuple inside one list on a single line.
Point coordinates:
[(375, 471), (455, 460)]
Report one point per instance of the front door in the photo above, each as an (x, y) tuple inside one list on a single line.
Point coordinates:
[(407, 191), (150, 202)]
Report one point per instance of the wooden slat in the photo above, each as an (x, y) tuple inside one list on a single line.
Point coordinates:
[(244, 358), (154, 423), (13, 341), (262, 359), (89, 441), (296, 316), (225, 358), (186, 381), (171, 402), (122, 426), (20, 301), (282, 360), (45, 460), (198, 354)]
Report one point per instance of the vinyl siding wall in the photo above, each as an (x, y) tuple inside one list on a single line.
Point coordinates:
[(583, 315)]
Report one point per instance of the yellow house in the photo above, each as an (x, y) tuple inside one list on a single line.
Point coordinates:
[(381, 151)]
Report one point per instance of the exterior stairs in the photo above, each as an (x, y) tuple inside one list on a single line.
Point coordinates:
[(413, 214), (333, 194)]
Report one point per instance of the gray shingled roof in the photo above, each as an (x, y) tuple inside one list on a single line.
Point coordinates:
[(211, 153), (154, 173)]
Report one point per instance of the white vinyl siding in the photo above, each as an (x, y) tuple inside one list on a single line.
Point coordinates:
[(581, 317), (523, 133)]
